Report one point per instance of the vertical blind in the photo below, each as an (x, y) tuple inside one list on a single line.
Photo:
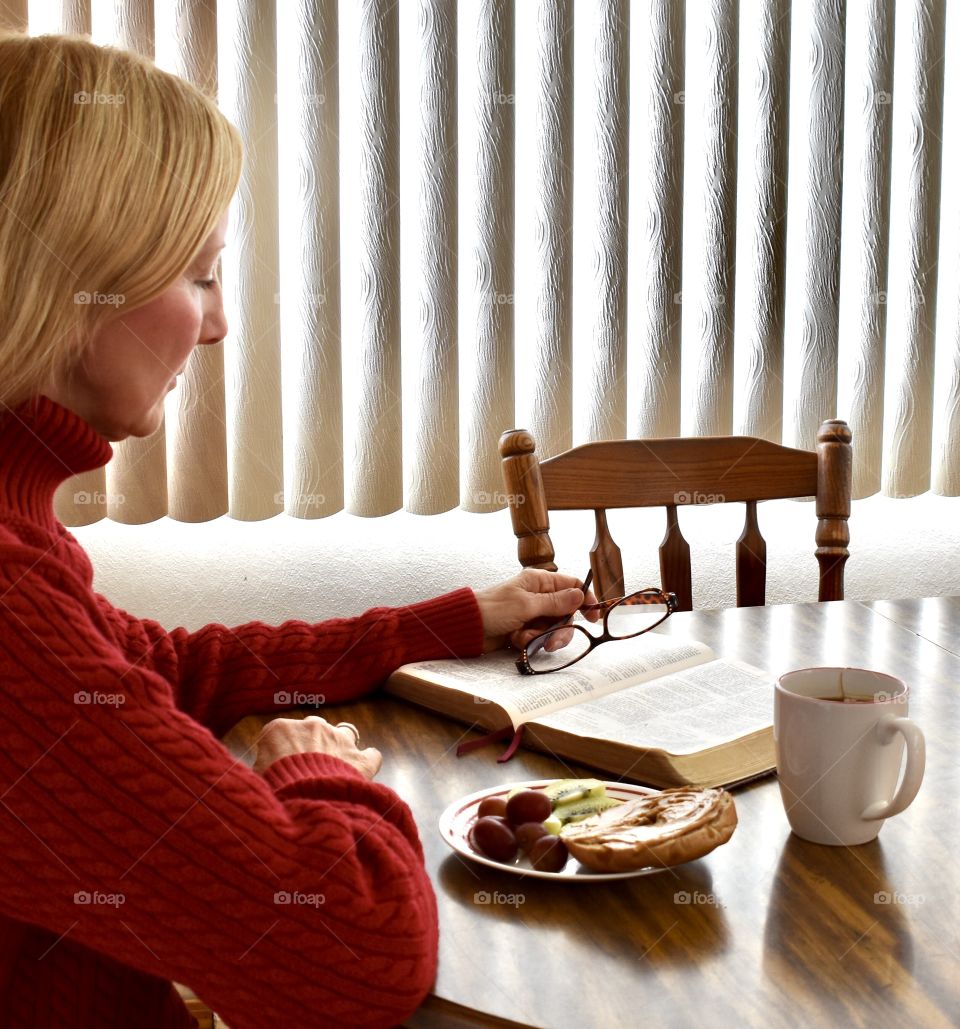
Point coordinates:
[(596, 220)]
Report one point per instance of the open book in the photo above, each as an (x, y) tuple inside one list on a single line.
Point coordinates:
[(653, 708)]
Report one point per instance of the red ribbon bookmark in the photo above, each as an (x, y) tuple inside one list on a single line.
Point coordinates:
[(494, 737)]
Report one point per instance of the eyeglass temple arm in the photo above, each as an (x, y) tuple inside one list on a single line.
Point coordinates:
[(671, 599)]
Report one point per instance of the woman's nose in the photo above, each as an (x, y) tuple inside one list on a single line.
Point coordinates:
[(214, 326)]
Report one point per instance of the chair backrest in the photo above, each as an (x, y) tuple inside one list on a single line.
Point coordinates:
[(673, 473)]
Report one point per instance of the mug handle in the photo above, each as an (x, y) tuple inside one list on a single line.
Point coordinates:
[(886, 729)]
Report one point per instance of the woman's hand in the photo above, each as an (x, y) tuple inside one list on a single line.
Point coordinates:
[(521, 608), (313, 735)]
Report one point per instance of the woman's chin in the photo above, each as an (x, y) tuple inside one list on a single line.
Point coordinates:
[(144, 426)]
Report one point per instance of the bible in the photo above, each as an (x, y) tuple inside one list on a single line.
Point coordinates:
[(655, 709)]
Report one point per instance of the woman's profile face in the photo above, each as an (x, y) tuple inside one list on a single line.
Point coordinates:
[(132, 362)]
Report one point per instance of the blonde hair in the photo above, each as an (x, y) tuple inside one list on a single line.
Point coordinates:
[(113, 174)]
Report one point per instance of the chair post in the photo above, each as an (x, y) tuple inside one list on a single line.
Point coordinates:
[(526, 500), (834, 489)]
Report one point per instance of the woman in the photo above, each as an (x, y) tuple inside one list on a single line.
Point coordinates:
[(134, 851)]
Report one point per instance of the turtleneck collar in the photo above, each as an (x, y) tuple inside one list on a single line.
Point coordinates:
[(42, 444)]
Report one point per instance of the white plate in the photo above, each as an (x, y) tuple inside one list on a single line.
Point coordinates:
[(456, 820)]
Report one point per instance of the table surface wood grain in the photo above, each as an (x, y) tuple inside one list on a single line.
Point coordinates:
[(768, 930), (936, 619)]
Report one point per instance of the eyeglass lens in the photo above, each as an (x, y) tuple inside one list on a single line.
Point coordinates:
[(633, 615)]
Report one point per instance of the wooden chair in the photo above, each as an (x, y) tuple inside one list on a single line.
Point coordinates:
[(673, 473)]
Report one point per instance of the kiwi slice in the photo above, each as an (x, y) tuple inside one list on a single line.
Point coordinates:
[(577, 810), (565, 791), (561, 790)]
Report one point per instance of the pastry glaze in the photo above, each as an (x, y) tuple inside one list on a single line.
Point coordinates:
[(663, 829)]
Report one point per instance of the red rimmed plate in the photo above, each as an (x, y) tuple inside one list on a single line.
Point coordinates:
[(456, 820)]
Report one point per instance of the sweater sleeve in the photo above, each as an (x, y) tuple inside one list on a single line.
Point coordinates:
[(128, 827), (220, 674)]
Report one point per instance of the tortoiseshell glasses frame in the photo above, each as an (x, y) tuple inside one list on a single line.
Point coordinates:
[(640, 597)]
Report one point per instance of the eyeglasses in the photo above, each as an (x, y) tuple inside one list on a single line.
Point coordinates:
[(623, 618)]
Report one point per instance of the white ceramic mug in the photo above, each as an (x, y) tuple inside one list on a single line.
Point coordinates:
[(838, 760)]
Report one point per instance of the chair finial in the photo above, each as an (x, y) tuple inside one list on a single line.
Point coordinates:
[(834, 431), (515, 442)]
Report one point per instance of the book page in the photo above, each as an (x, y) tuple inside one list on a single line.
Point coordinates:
[(682, 713), (613, 667)]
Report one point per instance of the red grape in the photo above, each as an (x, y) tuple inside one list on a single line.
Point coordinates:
[(528, 806), (492, 806), (494, 838), (528, 834), (548, 854)]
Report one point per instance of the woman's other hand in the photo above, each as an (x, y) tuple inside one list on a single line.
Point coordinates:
[(521, 608), (314, 735)]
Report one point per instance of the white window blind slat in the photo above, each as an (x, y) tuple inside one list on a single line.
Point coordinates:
[(550, 378), (656, 216), (760, 327), (133, 25), (376, 485), (866, 235), (913, 293), (488, 351), (712, 408), (947, 375), (817, 379), (607, 388), (435, 473), (310, 263), (74, 15), (252, 361)]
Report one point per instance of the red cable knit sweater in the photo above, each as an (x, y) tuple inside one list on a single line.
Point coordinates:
[(133, 849)]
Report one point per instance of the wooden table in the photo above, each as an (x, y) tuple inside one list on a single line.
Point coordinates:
[(766, 931), (936, 619)]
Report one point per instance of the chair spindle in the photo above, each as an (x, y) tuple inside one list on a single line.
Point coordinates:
[(606, 561), (675, 574), (751, 561)]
